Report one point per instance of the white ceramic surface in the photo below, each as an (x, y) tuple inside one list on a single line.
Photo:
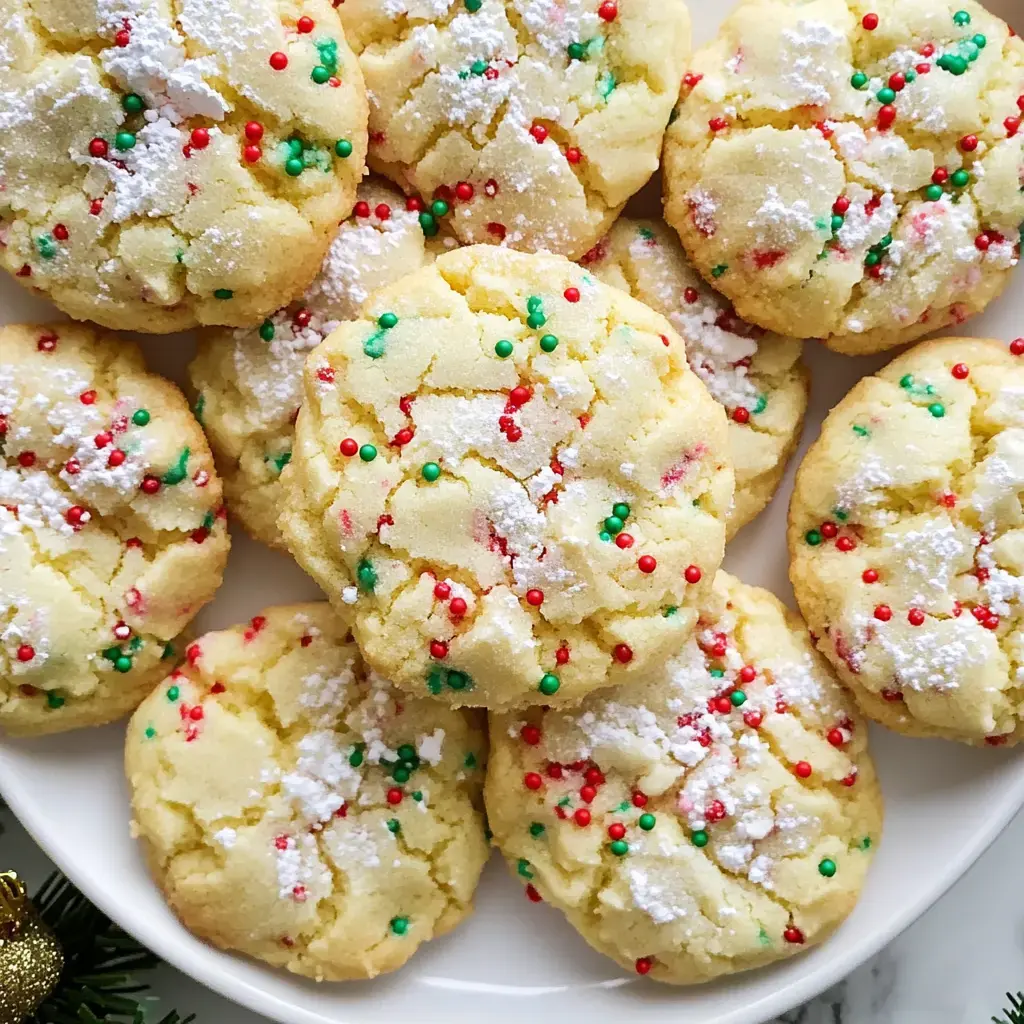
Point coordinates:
[(945, 804)]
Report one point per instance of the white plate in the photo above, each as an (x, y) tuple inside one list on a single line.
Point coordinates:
[(945, 804)]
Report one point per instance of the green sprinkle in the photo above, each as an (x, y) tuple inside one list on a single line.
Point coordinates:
[(621, 509), (960, 179), (970, 50), (473, 5), (606, 85), (294, 166), (343, 148), (54, 700), (140, 417), (428, 225), (386, 321), (670, 611), (223, 293), (549, 684), (47, 247), (961, 18), (282, 460), (933, 193), (457, 680), (717, 272), (859, 80), (328, 50), (865, 843), (399, 925), (762, 937), (647, 822), (979, 41), (536, 829), (434, 681), (123, 663), (198, 408), (406, 752), (699, 838), (614, 525), (150, 732), (367, 576), (760, 405), (885, 242), (173, 693), (827, 868), (717, 673), (478, 67), (178, 471), (431, 471), (907, 381), (576, 51), (394, 826), (813, 537), (168, 652), (355, 759), (295, 147), (417, 795), (534, 304), (523, 868), (885, 95), (375, 345), (841, 514), (320, 74), (953, 64), (267, 330), (112, 653), (536, 319), (937, 409), (548, 343), (910, 75), (469, 761), (132, 103), (738, 698), (837, 222), (124, 140), (605, 536), (620, 847), (367, 453), (503, 349), (872, 259), (439, 208), (861, 431), (400, 774)]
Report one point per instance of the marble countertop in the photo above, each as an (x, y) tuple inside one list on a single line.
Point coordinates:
[(951, 967)]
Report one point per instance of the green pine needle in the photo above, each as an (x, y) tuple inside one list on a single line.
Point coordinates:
[(1015, 1014), (98, 985)]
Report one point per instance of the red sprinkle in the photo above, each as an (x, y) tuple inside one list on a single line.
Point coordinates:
[(457, 608), (361, 209), (836, 737), (691, 295), (886, 116), (383, 211), (940, 176), (464, 191), (442, 591), (573, 155), (915, 617), (883, 613), (251, 154), (748, 673), (394, 796), (26, 652), (253, 131), (718, 124), (519, 396), (98, 147), (644, 965), (349, 447), (692, 574), (869, 575), (278, 60), (1017, 346), (753, 719), (794, 935), (617, 830), (608, 11), (623, 653), (532, 895), (1012, 126), (539, 133), (639, 799), (530, 734), (870, 22), (200, 138), (26, 459), (802, 770), (582, 817), (535, 598), (841, 205), (304, 25), (438, 649), (969, 143), (960, 371), (562, 656), (741, 415), (150, 484), (845, 543), (571, 294), (646, 563), (116, 458), (624, 540), (531, 780)]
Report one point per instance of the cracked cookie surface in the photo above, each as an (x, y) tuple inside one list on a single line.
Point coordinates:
[(718, 815), (168, 163), (249, 380), (906, 540), (295, 807), (852, 170), (758, 377), (533, 120), (112, 529), (510, 472)]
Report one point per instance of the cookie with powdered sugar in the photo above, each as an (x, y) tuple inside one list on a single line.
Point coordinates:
[(511, 474), (113, 532), (295, 807), (172, 164), (526, 123), (757, 376), (850, 170), (906, 541), (717, 815), (249, 380)]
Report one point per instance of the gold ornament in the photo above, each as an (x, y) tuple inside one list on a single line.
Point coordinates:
[(30, 956)]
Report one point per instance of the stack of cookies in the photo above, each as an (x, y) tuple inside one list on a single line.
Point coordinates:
[(509, 432)]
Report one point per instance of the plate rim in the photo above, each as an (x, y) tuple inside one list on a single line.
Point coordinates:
[(167, 943)]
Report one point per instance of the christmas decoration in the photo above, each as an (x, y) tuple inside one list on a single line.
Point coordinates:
[(1015, 1014), (30, 956)]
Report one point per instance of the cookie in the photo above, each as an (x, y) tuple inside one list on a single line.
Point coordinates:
[(167, 165), (112, 529), (759, 377), (906, 541), (718, 815), (850, 170), (249, 380), (293, 806), (527, 123), (511, 474)]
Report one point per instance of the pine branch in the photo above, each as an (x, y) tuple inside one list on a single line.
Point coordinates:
[(98, 985), (1015, 1014)]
